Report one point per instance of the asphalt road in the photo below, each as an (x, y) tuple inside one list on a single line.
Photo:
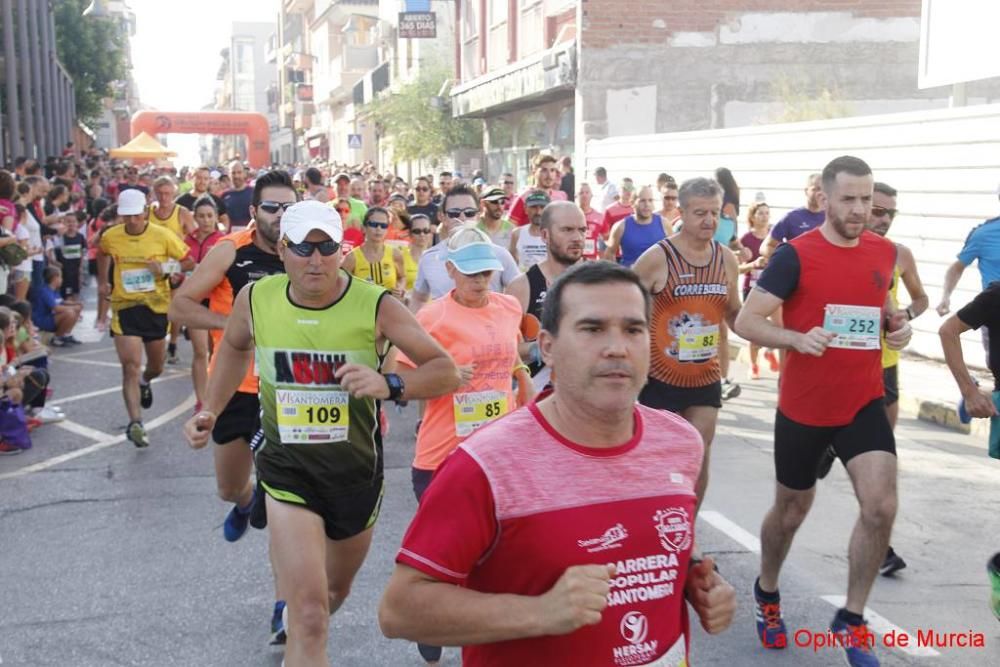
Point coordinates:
[(115, 556)]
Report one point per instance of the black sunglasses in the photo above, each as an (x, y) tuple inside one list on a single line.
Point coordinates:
[(422, 189), (421, 231), (508, 182), (379, 225), (307, 248), (273, 207), (458, 213), (878, 212)]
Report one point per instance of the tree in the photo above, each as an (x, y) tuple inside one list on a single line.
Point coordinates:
[(91, 50), (800, 102), (419, 129)]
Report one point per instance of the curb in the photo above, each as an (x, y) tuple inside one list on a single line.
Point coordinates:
[(927, 410)]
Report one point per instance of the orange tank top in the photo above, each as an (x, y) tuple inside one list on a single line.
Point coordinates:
[(687, 313)]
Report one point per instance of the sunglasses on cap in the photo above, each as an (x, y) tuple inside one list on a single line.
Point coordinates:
[(878, 212), (273, 207), (459, 213), (307, 248)]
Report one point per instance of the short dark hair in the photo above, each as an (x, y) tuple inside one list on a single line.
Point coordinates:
[(847, 164), (587, 273), (458, 190), (885, 189), (204, 200), (314, 176), (444, 173), (7, 301), (269, 179), (7, 185), (50, 272), (601, 171), (375, 209), (19, 160), (22, 308)]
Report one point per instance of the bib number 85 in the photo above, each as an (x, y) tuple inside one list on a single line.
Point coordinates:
[(492, 409)]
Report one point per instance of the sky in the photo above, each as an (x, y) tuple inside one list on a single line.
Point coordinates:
[(175, 54)]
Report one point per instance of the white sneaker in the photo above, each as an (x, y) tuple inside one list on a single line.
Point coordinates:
[(47, 415)]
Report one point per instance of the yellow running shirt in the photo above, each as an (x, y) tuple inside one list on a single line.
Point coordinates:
[(172, 222), (382, 273), (135, 283)]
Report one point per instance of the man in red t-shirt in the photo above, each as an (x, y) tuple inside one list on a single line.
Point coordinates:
[(546, 177), (595, 222), (832, 284), (621, 209), (546, 558)]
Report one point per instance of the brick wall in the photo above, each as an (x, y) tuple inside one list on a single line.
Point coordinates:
[(608, 22)]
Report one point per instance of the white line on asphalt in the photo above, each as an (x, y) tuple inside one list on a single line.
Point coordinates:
[(109, 390), (731, 529), (97, 446), (84, 353), (883, 626), (85, 431), (93, 362)]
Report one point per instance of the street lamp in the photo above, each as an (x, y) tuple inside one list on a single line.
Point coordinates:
[(96, 10)]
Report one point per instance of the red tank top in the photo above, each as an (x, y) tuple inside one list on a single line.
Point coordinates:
[(830, 390), (684, 336)]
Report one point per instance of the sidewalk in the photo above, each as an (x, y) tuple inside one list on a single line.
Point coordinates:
[(927, 390)]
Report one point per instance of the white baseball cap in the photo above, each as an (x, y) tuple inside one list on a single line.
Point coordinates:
[(131, 202), (309, 215)]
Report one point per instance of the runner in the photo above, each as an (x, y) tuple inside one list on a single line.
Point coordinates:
[(179, 220), (693, 280), (239, 198), (202, 179), (139, 300), (563, 229), (833, 284), (421, 238), (200, 241), (319, 335), (494, 220), (526, 244), (480, 329), (669, 211), (983, 311), (237, 260), (593, 245), (636, 233), (800, 220), (469, 571), (759, 218), (545, 178), (375, 261)]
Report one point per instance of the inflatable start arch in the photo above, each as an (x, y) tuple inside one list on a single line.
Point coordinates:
[(253, 125)]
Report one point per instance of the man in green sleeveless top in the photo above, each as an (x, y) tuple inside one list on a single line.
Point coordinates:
[(320, 337)]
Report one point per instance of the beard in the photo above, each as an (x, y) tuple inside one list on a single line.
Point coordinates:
[(842, 228), (566, 258), (269, 230)]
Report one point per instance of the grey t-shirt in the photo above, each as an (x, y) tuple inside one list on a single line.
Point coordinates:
[(432, 274)]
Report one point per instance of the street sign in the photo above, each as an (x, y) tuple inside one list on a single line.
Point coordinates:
[(354, 141), (417, 25)]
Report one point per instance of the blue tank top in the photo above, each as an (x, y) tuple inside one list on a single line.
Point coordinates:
[(636, 238), (726, 230)]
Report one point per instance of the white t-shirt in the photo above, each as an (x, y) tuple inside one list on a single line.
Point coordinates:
[(22, 233), (604, 196), (34, 236)]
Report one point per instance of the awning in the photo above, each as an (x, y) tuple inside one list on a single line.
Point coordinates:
[(142, 147)]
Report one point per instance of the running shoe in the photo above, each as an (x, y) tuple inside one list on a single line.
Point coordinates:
[(279, 620), (11, 450), (730, 389), (172, 357), (57, 342), (892, 564), (754, 372), (857, 641), (145, 395), (770, 626), (71, 340), (993, 568), (136, 434), (237, 521), (48, 415), (772, 359), (826, 462)]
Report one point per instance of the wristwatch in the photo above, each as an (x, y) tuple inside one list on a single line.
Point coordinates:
[(396, 386), (909, 313)]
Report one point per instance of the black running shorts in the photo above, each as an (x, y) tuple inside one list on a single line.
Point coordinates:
[(139, 321), (663, 396), (344, 514), (798, 447), (890, 377), (239, 419)]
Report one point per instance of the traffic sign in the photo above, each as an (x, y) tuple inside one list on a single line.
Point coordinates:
[(354, 141)]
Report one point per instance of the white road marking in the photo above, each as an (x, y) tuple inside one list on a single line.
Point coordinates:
[(85, 431), (883, 626), (93, 362), (84, 353), (110, 390), (731, 529), (103, 444)]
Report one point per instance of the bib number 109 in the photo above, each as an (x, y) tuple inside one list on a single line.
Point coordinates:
[(322, 415)]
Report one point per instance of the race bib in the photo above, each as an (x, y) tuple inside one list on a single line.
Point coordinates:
[(170, 266), (698, 343), (855, 327), (312, 416), (72, 251), (589, 247), (475, 408), (138, 280)]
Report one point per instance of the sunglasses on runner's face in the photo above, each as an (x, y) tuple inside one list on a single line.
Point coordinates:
[(420, 189), (459, 213), (273, 207), (379, 225), (422, 231), (307, 248), (878, 212)]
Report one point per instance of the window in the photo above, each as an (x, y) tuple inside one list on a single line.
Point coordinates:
[(498, 49), (243, 58), (498, 11), (471, 64), (533, 131), (531, 29)]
